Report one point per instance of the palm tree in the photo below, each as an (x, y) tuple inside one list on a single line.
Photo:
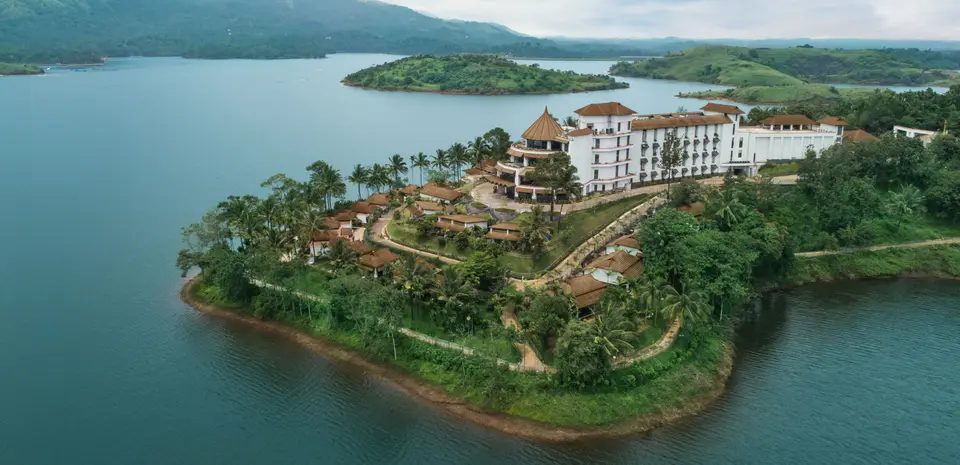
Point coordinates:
[(612, 329), (398, 166), (452, 294), (688, 307), (327, 182), (240, 214), (458, 156), (359, 176), (570, 121), (479, 150), (905, 202), (728, 213), (441, 160), (421, 161), (379, 176), (535, 229)]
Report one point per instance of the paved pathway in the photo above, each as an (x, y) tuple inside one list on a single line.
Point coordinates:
[(530, 361), (380, 235), (652, 350), (910, 245)]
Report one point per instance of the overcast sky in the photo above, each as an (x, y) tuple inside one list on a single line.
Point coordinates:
[(749, 19)]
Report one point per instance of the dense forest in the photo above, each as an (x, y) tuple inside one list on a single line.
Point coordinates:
[(480, 74)]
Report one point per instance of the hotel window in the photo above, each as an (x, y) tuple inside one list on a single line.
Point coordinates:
[(618, 155), (616, 171), (739, 154), (628, 154), (628, 140), (696, 131), (618, 127), (618, 142), (596, 174), (596, 144), (594, 187), (603, 187), (741, 142), (596, 158)]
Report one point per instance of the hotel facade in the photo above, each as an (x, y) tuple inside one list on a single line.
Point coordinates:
[(614, 148)]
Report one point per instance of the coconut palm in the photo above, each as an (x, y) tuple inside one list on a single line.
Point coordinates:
[(421, 161), (478, 150), (728, 213), (688, 307), (458, 156), (651, 295), (905, 202), (398, 166), (441, 160), (379, 176), (359, 176), (327, 182), (613, 330), (240, 215), (453, 294), (570, 121), (535, 229)]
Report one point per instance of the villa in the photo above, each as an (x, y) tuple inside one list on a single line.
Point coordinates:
[(421, 208), (923, 135), (345, 219), (458, 223), (380, 200), (586, 290), (363, 210), (627, 244), (377, 261), (615, 268), (435, 193), (322, 241), (505, 232), (411, 190)]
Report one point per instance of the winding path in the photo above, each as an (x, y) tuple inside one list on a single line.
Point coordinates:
[(909, 245)]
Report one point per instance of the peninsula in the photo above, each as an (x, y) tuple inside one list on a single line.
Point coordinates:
[(8, 69), (475, 74), (794, 75)]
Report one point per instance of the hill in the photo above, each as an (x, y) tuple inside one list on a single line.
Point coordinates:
[(475, 74), (775, 95), (7, 69), (739, 66)]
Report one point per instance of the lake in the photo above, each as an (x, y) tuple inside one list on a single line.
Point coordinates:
[(100, 363)]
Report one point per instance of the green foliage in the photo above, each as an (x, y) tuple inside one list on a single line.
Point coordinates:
[(581, 362), (688, 192), (783, 95), (476, 74), (546, 314), (8, 69)]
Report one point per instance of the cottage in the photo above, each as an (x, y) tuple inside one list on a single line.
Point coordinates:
[(379, 200), (616, 267), (421, 208), (411, 190), (360, 247), (457, 223), (345, 219), (320, 243), (858, 135), (435, 193), (363, 210), (505, 232), (627, 244), (586, 290), (377, 260)]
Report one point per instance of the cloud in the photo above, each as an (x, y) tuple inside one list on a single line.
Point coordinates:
[(702, 19)]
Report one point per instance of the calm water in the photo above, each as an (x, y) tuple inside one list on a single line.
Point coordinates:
[(100, 363)]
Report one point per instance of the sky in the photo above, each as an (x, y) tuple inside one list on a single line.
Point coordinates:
[(705, 19)]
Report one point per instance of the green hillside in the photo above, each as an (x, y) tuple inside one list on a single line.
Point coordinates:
[(773, 95), (739, 66), (7, 69), (475, 74)]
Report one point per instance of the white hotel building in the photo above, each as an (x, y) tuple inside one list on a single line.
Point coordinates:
[(613, 148)]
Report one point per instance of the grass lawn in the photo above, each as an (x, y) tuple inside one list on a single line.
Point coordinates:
[(941, 259), (573, 231), (779, 169), (485, 341)]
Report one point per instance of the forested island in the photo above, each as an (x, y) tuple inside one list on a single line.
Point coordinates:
[(798, 74), (9, 69), (475, 74)]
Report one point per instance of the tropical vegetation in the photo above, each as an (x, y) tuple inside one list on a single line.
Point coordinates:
[(8, 69), (475, 74)]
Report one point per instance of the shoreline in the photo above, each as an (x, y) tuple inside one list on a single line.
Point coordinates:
[(448, 92), (450, 404)]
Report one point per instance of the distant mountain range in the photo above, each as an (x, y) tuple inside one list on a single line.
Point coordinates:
[(73, 31)]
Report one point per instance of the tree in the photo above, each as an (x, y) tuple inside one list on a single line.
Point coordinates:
[(556, 173), (478, 150), (905, 202), (546, 314), (440, 160), (535, 229), (580, 361), (453, 295), (498, 141), (688, 192), (398, 166), (687, 307), (421, 161), (944, 196), (613, 329), (379, 176), (671, 156), (360, 177), (571, 121), (240, 215), (458, 156), (327, 182)]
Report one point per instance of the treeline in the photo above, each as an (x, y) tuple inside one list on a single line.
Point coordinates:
[(878, 112)]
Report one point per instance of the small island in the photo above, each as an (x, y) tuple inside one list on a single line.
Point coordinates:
[(8, 69), (794, 75), (475, 74)]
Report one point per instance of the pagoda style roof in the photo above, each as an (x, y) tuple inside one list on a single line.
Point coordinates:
[(605, 109), (544, 128)]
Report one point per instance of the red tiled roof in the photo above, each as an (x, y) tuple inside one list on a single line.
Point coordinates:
[(466, 219), (627, 241), (858, 135), (364, 207), (379, 200), (605, 109), (833, 121), (434, 190), (498, 181), (678, 122), (410, 190), (620, 262), (360, 247), (345, 216), (503, 236), (435, 207), (506, 227), (788, 120), (721, 108)]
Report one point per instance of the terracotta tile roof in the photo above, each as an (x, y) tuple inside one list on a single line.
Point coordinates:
[(379, 199), (605, 109), (435, 207), (580, 132), (696, 209), (466, 219), (415, 211), (434, 190), (503, 236), (506, 227), (721, 108), (474, 171), (498, 181), (858, 135), (788, 120), (321, 236), (345, 232), (618, 261), (410, 189), (627, 241), (360, 247), (678, 122), (378, 259), (833, 121), (363, 207), (585, 289), (450, 226), (544, 128), (331, 223), (345, 216)]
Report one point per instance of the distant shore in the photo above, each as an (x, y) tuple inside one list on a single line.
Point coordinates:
[(486, 94)]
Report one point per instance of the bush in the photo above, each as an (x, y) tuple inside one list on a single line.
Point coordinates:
[(478, 205), (461, 241)]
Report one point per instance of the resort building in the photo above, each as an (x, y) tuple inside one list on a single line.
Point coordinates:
[(363, 210), (780, 138), (458, 223), (421, 208), (435, 193), (410, 190), (379, 200), (505, 232), (345, 219), (627, 244), (543, 137), (701, 135), (585, 290), (925, 136), (615, 268), (377, 261), (600, 147)]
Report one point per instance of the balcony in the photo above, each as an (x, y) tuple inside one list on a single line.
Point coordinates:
[(654, 175), (716, 139), (693, 170), (596, 164), (656, 145), (686, 142), (610, 132), (703, 169), (715, 153), (513, 168), (684, 171), (611, 149), (655, 161), (614, 179), (644, 145), (696, 142), (522, 151)]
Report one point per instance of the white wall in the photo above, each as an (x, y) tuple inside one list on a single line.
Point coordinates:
[(606, 276), (611, 249)]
